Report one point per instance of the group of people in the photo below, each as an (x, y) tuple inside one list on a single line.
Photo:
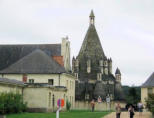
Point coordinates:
[(130, 110)]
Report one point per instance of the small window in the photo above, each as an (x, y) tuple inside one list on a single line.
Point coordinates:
[(31, 80), (50, 81)]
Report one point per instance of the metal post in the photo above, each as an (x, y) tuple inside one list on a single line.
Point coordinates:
[(57, 113)]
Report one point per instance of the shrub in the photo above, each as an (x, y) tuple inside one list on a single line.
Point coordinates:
[(11, 103), (150, 103), (68, 105)]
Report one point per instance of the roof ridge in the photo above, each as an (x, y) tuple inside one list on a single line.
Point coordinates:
[(29, 44), (35, 62)]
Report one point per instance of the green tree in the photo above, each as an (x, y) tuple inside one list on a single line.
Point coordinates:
[(150, 103), (11, 103), (133, 97), (68, 105)]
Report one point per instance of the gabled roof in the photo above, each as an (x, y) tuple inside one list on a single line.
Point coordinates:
[(35, 62), (12, 53), (11, 81), (149, 82)]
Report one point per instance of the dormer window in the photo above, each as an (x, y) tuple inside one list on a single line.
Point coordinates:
[(88, 66)]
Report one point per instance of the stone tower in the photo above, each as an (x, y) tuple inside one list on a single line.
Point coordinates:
[(118, 75), (92, 68), (90, 53)]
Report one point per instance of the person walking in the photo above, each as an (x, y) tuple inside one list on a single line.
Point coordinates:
[(118, 110), (131, 111), (93, 105), (140, 108)]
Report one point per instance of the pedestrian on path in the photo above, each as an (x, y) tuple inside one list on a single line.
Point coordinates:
[(140, 108), (118, 110), (93, 105), (131, 111)]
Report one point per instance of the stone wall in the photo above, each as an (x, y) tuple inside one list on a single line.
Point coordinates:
[(38, 97), (10, 88), (144, 94), (103, 106)]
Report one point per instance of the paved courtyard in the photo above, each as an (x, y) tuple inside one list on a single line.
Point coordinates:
[(125, 115)]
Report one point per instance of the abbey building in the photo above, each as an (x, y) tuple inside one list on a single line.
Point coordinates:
[(42, 73), (93, 69)]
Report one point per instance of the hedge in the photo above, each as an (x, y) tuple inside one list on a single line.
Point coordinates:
[(11, 103)]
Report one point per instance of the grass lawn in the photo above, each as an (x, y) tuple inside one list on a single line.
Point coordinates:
[(71, 114)]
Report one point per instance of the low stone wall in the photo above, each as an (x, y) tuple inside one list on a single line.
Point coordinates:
[(103, 106)]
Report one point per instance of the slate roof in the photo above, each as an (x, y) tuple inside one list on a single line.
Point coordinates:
[(118, 71), (108, 77), (150, 81), (92, 14), (36, 62), (92, 50), (12, 53), (91, 46), (11, 81)]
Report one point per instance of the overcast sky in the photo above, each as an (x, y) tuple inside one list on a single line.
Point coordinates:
[(125, 29)]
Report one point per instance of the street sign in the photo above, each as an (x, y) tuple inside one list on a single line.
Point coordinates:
[(108, 99), (60, 102)]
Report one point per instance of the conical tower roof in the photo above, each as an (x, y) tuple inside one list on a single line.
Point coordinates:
[(92, 14), (91, 46), (92, 50), (118, 71)]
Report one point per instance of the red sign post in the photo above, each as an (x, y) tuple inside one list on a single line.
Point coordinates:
[(60, 104)]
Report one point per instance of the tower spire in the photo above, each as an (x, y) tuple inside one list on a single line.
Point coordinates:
[(92, 18)]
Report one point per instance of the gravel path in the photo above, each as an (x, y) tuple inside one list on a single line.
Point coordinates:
[(125, 115)]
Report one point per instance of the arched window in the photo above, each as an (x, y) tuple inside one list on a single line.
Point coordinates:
[(49, 100), (53, 100)]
